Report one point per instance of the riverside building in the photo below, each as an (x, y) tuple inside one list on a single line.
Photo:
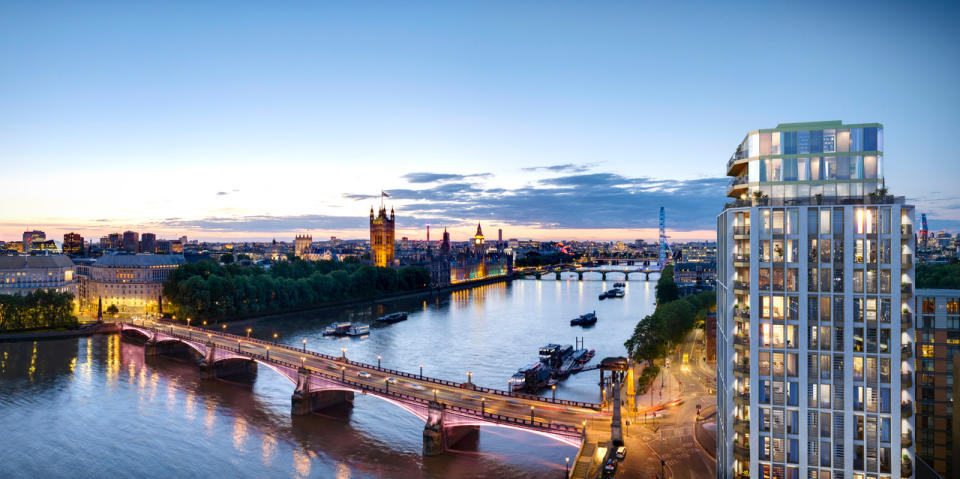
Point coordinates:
[(132, 282), (814, 309)]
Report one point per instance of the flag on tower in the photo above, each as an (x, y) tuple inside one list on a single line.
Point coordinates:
[(384, 193)]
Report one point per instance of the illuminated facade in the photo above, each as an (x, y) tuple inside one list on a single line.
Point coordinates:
[(478, 246), (814, 309), (938, 368), (132, 282), (25, 274), (302, 246), (381, 237), (72, 243)]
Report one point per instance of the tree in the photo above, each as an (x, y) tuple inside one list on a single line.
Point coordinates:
[(113, 309), (667, 290), (226, 258)]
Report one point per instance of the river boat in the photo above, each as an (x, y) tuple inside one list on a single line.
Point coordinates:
[(603, 296), (583, 355), (531, 378), (619, 285), (615, 293), (393, 317), (588, 319), (553, 355), (346, 329), (565, 368)]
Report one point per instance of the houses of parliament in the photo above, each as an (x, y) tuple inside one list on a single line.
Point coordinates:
[(382, 237)]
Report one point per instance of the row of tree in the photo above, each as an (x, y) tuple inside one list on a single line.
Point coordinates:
[(670, 322), (37, 310), (938, 276), (209, 290)]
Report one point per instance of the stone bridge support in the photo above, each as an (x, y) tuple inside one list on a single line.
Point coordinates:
[(603, 275), (558, 276), (579, 275), (537, 275), (150, 347), (304, 402), (437, 437)]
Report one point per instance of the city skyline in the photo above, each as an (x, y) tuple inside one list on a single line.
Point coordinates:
[(245, 124)]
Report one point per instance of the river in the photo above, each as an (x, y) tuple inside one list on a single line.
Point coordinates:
[(92, 407)]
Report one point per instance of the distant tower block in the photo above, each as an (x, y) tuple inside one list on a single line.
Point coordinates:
[(381, 237), (664, 249)]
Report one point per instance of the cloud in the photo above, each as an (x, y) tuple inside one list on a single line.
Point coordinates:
[(424, 177), (565, 167), (267, 224), (594, 200)]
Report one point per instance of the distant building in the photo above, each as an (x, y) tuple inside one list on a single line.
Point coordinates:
[(15, 246), (445, 244), (30, 236), (479, 248), (302, 246), (148, 243), (132, 282), (114, 241), (131, 241), (165, 247), (176, 246), (699, 253), (25, 274), (937, 375), (381, 237), (72, 244), (695, 273)]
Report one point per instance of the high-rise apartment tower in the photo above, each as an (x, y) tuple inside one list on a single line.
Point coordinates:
[(814, 309)]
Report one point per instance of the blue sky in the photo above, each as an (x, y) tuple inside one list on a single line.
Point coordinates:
[(550, 119)]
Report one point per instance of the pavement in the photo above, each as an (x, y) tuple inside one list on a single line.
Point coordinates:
[(664, 425)]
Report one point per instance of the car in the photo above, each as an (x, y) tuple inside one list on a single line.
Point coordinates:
[(415, 386), (392, 380), (621, 452), (363, 374), (610, 467)]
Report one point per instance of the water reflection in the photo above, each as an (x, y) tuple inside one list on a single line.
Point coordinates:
[(100, 394)]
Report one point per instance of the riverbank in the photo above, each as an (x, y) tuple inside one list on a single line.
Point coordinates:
[(88, 330), (241, 320)]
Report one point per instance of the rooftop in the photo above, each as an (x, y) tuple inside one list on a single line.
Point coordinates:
[(36, 262), (139, 260)]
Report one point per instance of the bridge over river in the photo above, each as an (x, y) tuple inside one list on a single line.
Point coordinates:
[(449, 409)]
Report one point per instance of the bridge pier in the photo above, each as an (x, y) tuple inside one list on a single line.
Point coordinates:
[(436, 437), (579, 275), (304, 402), (537, 275), (603, 275), (558, 276)]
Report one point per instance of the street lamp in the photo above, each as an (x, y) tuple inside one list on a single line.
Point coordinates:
[(531, 414), (188, 322), (483, 406), (378, 361), (268, 352), (224, 327), (248, 332), (421, 370), (343, 373), (304, 344), (386, 384), (343, 353), (204, 323), (469, 377), (435, 396), (567, 468), (302, 360), (554, 388), (274, 338)]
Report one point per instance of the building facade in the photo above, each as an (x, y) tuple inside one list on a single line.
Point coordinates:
[(131, 241), (479, 247), (148, 243), (814, 302), (132, 282), (72, 244), (23, 275), (381, 237), (938, 367), (302, 246)]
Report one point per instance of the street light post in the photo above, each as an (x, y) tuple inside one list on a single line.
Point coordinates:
[(304, 344), (248, 332), (343, 373), (483, 406), (554, 388), (469, 377), (386, 384), (343, 353), (274, 338), (268, 352), (435, 396), (567, 467), (531, 414), (421, 370), (378, 361)]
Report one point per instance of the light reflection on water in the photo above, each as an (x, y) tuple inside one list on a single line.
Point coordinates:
[(92, 406)]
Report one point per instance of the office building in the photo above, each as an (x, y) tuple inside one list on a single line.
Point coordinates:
[(25, 274), (814, 301), (72, 244), (132, 282), (938, 366), (131, 241), (148, 243)]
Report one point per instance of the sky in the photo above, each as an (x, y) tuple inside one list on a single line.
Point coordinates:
[(551, 120)]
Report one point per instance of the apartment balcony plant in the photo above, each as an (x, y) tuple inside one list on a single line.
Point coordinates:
[(906, 467), (906, 351), (906, 319), (906, 440), (906, 409)]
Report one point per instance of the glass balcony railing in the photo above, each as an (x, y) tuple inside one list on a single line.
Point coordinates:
[(906, 260), (906, 439), (906, 468), (906, 289), (906, 351), (744, 285), (739, 180), (741, 230), (741, 258), (823, 200), (906, 230), (906, 320), (906, 380)]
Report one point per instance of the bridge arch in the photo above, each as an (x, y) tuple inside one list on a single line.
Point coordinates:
[(616, 275)]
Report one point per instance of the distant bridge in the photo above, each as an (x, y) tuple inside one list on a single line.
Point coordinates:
[(558, 271), (450, 410)]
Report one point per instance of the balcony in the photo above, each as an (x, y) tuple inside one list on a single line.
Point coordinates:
[(906, 468), (906, 409), (906, 290), (825, 200), (741, 425), (906, 440), (743, 286), (741, 453), (906, 231), (741, 314), (736, 163), (906, 320), (906, 260), (906, 380), (742, 258), (742, 399), (741, 340), (742, 370), (741, 231), (737, 186), (906, 351)]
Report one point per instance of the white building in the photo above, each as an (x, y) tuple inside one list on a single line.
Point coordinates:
[(132, 282), (814, 301), (25, 274)]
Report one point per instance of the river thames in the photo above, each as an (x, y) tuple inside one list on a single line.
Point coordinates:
[(93, 407)]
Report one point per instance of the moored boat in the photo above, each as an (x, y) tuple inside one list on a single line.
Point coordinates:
[(588, 319), (393, 317)]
